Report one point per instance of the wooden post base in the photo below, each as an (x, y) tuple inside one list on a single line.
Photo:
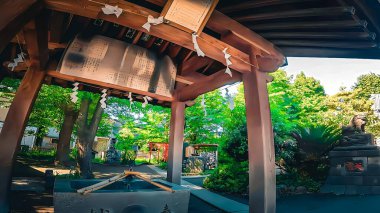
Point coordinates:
[(177, 122)]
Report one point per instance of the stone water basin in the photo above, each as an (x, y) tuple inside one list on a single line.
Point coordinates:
[(125, 196)]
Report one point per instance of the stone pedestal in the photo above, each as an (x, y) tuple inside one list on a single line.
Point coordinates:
[(354, 170)]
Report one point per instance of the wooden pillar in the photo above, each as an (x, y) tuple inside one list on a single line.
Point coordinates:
[(262, 179), (177, 122), (36, 35), (13, 129)]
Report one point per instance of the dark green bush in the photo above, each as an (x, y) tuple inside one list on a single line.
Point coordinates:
[(231, 178)]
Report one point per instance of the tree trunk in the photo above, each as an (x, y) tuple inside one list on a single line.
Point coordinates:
[(86, 136), (63, 147)]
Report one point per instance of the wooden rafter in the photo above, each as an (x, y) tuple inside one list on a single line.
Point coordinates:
[(257, 4), (310, 12), (14, 15), (223, 24), (207, 84), (210, 45)]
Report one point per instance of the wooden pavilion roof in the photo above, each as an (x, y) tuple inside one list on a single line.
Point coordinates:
[(314, 28)]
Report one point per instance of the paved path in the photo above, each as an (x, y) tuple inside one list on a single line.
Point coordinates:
[(328, 204)]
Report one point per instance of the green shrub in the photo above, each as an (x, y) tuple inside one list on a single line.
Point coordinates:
[(98, 160), (163, 165), (231, 178), (38, 154)]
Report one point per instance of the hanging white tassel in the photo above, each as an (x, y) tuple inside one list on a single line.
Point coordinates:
[(73, 95), (130, 99), (151, 20), (203, 104), (228, 62), (20, 58), (146, 99), (104, 99), (230, 100), (196, 46), (109, 10)]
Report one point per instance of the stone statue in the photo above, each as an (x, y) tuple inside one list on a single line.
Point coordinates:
[(354, 134)]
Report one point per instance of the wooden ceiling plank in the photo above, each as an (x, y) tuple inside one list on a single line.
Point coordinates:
[(58, 25), (174, 50), (14, 15), (207, 84), (137, 37), (320, 35), (273, 26), (163, 47), (310, 12), (150, 42), (331, 52), (257, 4), (211, 46), (332, 44), (121, 33)]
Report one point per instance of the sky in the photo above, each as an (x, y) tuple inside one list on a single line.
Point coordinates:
[(332, 72)]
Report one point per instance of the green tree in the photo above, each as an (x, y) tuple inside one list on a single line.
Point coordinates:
[(369, 84)]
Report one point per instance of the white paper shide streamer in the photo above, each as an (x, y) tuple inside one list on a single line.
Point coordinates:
[(230, 100), (109, 10), (146, 99), (203, 104), (151, 20), (196, 46), (73, 96), (228, 62), (20, 58), (130, 99), (104, 99)]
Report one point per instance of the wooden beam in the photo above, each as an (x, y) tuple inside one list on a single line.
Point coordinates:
[(207, 84), (224, 25), (163, 47), (176, 136), (193, 64), (309, 12), (36, 37), (184, 79), (137, 37), (174, 49), (211, 46), (36, 40), (261, 156), (14, 15), (320, 35), (13, 129), (150, 42), (346, 24), (268, 63), (238, 7), (58, 25)]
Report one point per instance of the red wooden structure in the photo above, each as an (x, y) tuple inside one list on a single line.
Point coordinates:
[(159, 147)]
